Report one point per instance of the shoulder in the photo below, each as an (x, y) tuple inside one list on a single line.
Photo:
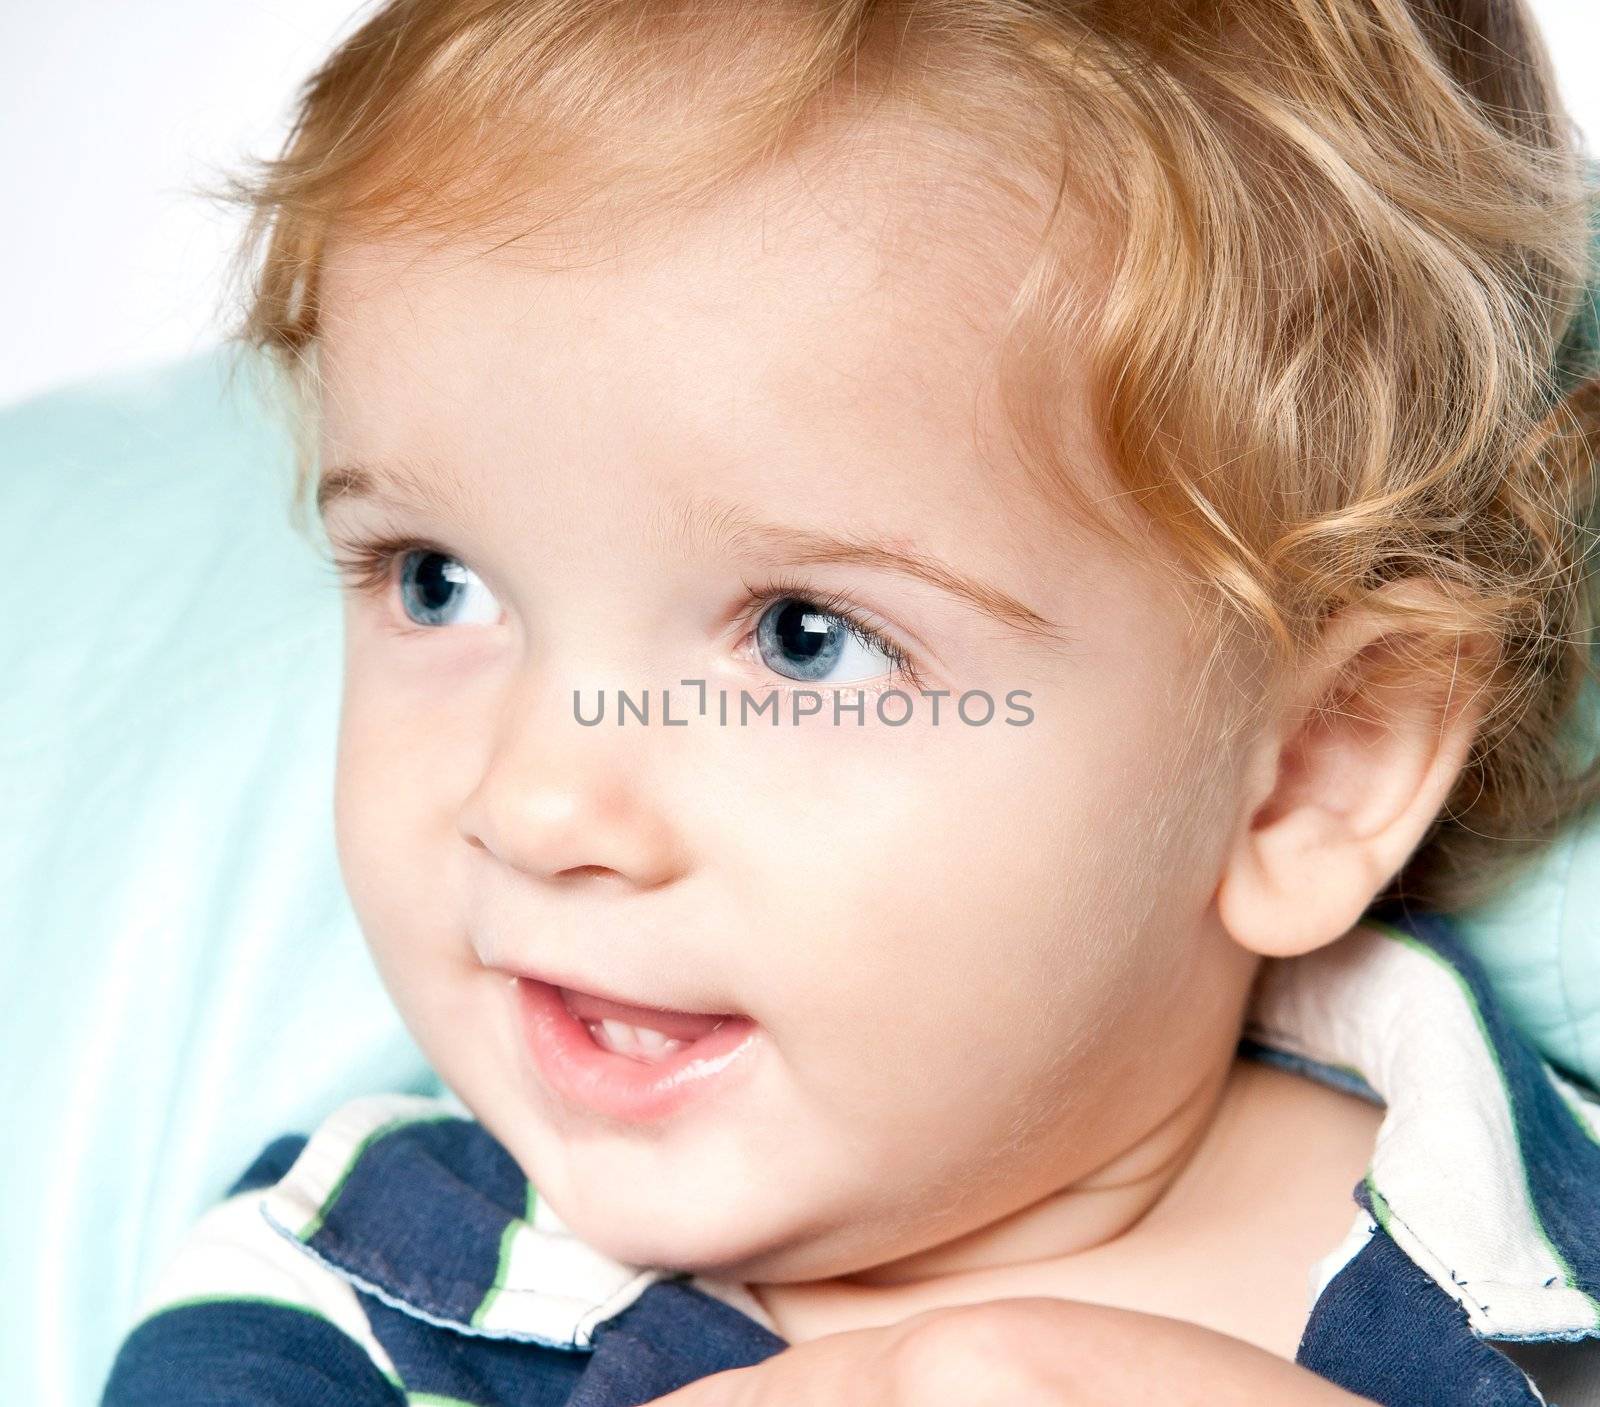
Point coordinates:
[(238, 1288)]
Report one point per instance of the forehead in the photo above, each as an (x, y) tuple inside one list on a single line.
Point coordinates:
[(876, 230), (831, 328)]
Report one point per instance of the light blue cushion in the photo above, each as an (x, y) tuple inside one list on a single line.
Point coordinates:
[(1540, 938), (184, 976)]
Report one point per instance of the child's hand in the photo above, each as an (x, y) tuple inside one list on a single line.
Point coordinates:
[(1037, 1351)]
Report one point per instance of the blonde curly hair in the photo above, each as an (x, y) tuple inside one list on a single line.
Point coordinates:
[(1343, 333)]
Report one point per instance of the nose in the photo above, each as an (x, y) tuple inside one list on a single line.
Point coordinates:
[(564, 803)]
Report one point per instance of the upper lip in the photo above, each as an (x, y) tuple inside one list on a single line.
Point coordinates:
[(573, 986)]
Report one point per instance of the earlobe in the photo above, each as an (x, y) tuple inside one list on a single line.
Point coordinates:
[(1351, 774), (1295, 884)]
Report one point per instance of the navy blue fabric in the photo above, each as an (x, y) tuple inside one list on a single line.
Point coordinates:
[(671, 1335), (242, 1351), (644, 1352), (432, 1358), (458, 1187), (270, 1164), (1385, 1330)]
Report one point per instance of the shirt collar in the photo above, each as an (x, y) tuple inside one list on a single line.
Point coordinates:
[(1483, 1171), (1486, 1162)]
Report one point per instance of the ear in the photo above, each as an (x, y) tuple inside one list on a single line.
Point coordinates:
[(1351, 769)]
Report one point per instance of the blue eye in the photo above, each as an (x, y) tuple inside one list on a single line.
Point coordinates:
[(438, 589), (812, 638), (800, 641)]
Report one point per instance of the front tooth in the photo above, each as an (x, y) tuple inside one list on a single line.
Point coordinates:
[(620, 1035), (623, 1039)]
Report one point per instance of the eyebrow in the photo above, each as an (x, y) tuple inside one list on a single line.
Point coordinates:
[(399, 484), (729, 528), (716, 526)]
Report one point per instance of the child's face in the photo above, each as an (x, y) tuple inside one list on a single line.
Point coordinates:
[(982, 959)]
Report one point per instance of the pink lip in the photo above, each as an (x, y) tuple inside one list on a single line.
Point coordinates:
[(553, 979), (619, 1086)]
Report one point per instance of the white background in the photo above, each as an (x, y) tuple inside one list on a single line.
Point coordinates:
[(111, 109)]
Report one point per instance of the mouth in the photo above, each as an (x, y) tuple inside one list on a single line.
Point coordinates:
[(629, 1028), (625, 1060)]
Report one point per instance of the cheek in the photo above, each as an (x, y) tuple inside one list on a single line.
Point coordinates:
[(390, 816), (979, 933), (967, 903), (397, 852)]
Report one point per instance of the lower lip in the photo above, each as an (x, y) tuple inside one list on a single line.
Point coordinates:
[(618, 1086)]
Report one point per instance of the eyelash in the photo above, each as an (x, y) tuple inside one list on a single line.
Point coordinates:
[(368, 568), (838, 605)]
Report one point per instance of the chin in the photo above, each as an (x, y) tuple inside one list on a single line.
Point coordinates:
[(648, 1234), (666, 1234)]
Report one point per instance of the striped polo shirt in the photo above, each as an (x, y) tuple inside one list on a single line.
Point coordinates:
[(399, 1255)]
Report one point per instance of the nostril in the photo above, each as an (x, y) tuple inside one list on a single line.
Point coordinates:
[(576, 870)]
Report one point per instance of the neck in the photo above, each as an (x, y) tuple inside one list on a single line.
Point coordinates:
[(1098, 1208), (1088, 1212)]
